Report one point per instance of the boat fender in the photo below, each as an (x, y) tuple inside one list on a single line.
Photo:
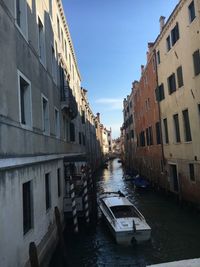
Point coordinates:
[(134, 227)]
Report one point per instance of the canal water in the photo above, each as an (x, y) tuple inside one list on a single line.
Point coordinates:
[(175, 231)]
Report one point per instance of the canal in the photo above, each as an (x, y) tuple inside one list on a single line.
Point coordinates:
[(175, 231)]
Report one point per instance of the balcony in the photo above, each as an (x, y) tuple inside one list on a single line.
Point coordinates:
[(68, 102)]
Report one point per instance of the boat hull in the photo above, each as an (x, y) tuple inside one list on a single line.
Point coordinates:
[(127, 237)]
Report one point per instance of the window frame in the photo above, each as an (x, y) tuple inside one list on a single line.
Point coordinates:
[(29, 203), (23, 31), (187, 128), (45, 132), (171, 81), (47, 191), (30, 125), (191, 16), (179, 73)]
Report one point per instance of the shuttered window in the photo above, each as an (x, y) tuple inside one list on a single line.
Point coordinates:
[(180, 76), (171, 83), (186, 123), (196, 61), (177, 128)]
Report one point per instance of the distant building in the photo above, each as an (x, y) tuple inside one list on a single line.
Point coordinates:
[(129, 131)]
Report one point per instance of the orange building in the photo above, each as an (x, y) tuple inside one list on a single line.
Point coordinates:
[(149, 151)]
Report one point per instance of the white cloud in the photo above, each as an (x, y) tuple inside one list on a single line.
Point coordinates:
[(111, 103)]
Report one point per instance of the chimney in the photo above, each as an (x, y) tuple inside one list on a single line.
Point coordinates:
[(162, 22), (142, 69), (98, 117)]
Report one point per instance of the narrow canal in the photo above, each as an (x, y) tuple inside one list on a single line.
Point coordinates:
[(175, 231)]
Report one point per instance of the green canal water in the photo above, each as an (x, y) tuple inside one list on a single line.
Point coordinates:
[(175, 231)]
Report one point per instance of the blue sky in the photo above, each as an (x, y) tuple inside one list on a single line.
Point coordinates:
[(110, 40)]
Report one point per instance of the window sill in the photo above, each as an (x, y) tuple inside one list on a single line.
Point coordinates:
[(187, 142), (24, 35), (26, 127), (30, 231)]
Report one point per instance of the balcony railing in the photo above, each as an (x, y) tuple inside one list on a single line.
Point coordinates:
[(68, 102)]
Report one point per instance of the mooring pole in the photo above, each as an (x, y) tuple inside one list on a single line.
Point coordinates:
[(33, 256), (74, 210), (85, 199)]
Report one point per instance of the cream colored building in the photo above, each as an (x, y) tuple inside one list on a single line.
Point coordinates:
[(178, 64), (129, 131)]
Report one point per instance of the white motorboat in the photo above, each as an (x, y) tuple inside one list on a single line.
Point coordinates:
[(125, 221)]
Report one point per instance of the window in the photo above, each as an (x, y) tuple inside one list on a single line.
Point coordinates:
[(158, 57), (47, 191), (191, 10), (147, 136), (50, 8), (158, 139), (196, 61), (150, 136), (41, 41), (179, 76), (59, 182), (56, 57), (171, 83), (53, 62), (177, 128), (24, 100), (80, 138), (186, 123), (21, 15), (65, 128), (191, 170), (175, 34), (160, 94), (57, 123), (83, 138), (27, 197), (166, 131), (168, 43), (72, 132), (142, 138), (83, 117), (45, 115), (58, 28)]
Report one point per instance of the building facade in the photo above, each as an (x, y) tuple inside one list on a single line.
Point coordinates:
[(40, 114), (128, 130), (179, 80), (148, 155), (167, 105)]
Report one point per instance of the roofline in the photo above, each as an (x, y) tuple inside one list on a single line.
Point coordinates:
[(64, 20)]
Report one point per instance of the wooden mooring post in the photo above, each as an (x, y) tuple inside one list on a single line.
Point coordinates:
[(33, 256), (61, 242)]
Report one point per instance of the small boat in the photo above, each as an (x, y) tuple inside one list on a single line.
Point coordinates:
[(141, 183), (126, 223)]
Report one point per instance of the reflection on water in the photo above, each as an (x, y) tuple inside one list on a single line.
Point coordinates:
[(175, 231)]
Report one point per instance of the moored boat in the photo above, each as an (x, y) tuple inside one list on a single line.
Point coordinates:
[(126, 223)]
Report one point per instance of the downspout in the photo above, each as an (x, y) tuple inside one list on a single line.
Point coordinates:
[(159, 114)]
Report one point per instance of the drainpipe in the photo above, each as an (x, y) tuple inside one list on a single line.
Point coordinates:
[(159, 114)]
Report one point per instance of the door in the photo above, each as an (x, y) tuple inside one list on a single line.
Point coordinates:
[(174, 177)]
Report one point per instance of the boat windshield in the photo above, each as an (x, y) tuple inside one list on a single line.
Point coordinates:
[(124, 211)]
